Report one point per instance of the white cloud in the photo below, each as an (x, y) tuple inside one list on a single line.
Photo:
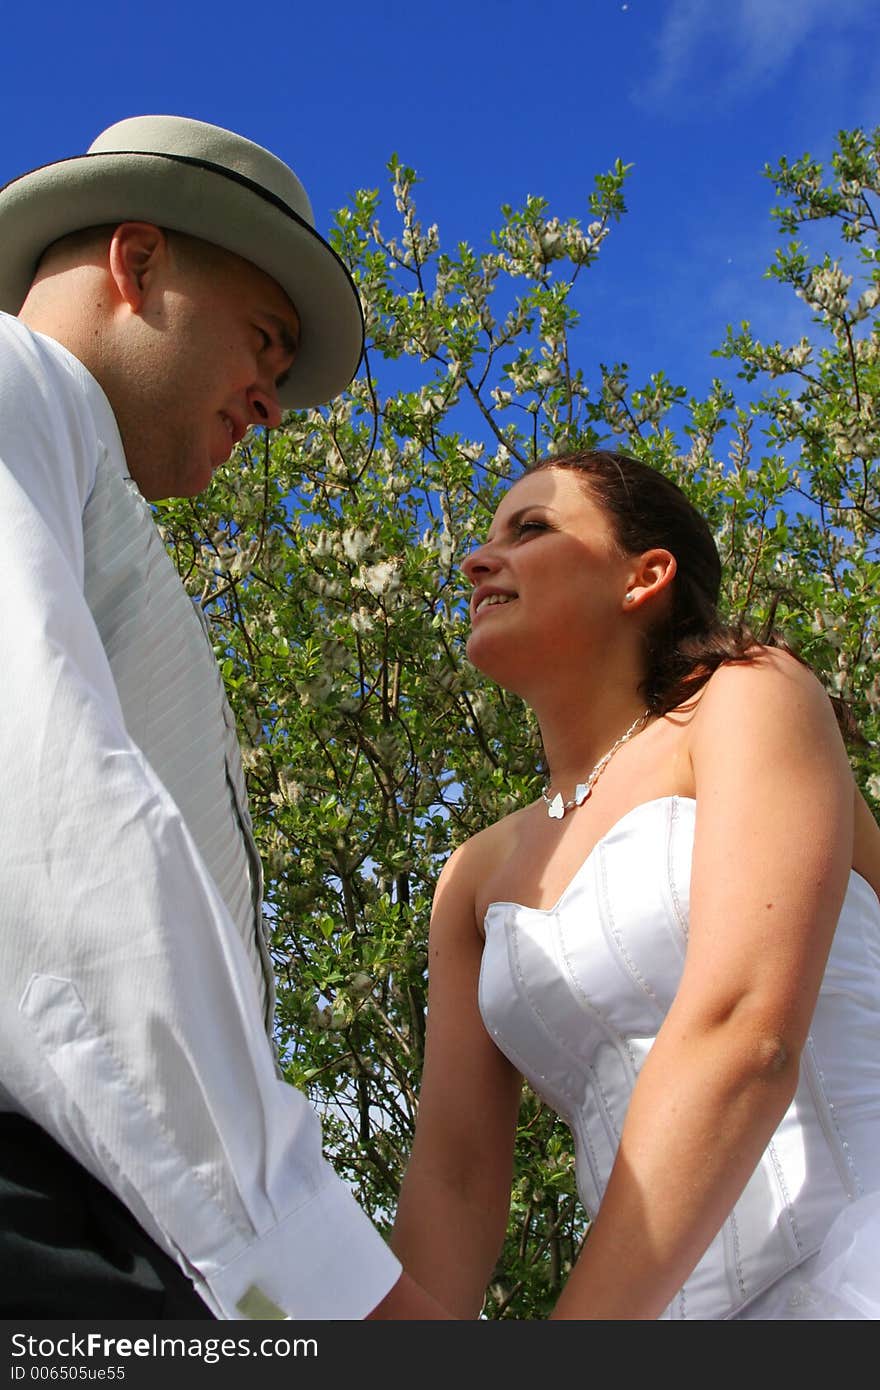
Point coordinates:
[(738, 45)]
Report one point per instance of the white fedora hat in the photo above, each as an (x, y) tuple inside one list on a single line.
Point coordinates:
[(210, 183)]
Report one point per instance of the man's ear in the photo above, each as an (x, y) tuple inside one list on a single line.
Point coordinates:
[(653, 572), (138, 251)]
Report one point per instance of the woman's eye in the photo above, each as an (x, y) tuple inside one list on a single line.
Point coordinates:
[(526, 526)]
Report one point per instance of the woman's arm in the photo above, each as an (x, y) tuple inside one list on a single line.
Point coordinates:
[(772, 853), (455, 1196)]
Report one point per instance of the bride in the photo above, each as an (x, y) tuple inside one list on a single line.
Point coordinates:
[(677, 945)]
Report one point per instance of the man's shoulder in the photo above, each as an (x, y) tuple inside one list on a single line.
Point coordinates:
[(14, 333), (53, 417), (30, 357), (42, 379), (15, 338)]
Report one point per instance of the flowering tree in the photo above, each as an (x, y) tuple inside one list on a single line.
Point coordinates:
[(327, 562), (822, 423)]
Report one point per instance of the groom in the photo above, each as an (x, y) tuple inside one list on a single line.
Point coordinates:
[(162, 293)]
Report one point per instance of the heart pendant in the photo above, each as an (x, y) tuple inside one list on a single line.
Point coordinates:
[(557, 807)]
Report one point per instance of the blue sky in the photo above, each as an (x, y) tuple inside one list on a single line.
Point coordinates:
[(492, 100)]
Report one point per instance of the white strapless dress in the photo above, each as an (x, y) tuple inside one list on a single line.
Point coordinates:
[(575, 994)]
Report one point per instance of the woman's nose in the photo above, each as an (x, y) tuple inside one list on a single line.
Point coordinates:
[(479, 563)]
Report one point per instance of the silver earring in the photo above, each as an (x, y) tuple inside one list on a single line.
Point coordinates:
[(629, 598)]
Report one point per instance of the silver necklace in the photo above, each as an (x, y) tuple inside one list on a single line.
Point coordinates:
[(557, 807)]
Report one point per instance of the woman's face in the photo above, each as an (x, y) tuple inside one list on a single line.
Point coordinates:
[(550, 582)]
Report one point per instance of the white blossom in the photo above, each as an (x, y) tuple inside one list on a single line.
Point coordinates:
[(380, 579), (548, 375), (869, 300), (334, 655), (290, 791), (361, 621), (472, 452), (827, 288), (321, 544), (325, 588), (315, 692), (243, 561), (355, 544)]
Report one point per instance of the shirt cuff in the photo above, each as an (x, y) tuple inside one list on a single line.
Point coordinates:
[(324, 1261)]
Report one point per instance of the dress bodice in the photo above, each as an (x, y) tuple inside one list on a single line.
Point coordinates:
[(575, 995)]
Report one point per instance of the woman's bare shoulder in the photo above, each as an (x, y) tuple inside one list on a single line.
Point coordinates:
[(767, 665), (770, 712), (483, 851), (468, 868), (772, 678)]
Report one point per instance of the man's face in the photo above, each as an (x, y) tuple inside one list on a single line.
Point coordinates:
[(214, 341)]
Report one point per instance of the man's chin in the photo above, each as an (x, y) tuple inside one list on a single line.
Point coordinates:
[(195, 482), (186, 475), (218, 463)]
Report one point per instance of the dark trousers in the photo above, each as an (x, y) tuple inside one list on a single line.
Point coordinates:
[(68, 1246)]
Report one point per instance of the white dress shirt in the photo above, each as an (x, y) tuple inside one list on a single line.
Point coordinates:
[(135, 985)]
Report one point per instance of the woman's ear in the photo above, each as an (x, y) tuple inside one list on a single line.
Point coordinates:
[(652, 573), (137, 252)]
